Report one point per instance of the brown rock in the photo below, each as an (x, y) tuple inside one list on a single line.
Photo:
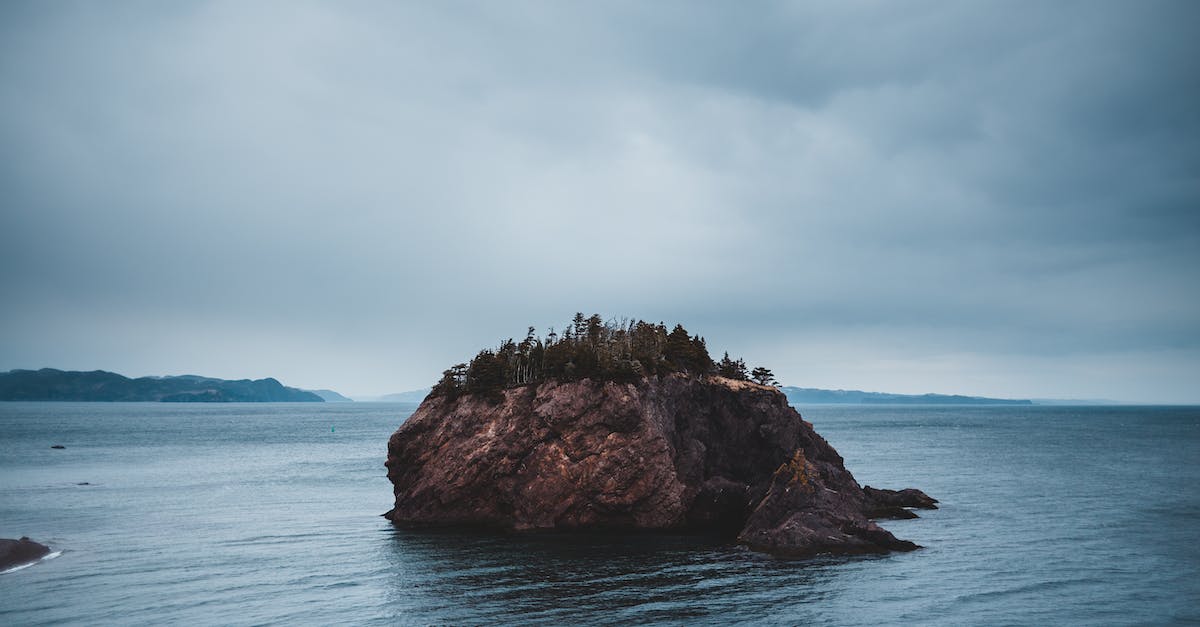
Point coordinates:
[(815, 506), (674, 452), (909, 497), (17, 552)]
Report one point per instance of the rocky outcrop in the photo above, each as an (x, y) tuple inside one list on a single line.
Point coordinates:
[(675, 452), (895, 503), (18, 552)]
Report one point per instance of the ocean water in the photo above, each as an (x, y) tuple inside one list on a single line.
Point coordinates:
[(269, 513)]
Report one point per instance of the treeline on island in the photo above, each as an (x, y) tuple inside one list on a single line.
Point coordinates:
[(591, 348)]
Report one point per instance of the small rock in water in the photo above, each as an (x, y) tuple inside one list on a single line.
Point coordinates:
[(23, 551), (909, 497)]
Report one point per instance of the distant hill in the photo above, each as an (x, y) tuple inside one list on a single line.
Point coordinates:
[(329, 396), (411, 396), (851, 397), (49, 384)]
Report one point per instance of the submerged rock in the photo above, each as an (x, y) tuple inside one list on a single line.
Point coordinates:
[(674, 452), (18, 552)]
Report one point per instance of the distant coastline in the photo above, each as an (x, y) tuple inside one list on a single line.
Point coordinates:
[(332, 397), (411, 396), (817, 396), (49, 384)]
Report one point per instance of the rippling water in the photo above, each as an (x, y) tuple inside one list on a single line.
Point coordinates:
[(252, 514)]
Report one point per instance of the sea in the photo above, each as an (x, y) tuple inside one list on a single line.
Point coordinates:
[(259, 514)]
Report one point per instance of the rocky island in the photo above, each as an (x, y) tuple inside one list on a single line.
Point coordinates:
[(623, 426)]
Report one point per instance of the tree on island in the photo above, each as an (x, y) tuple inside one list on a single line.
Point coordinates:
[(732, 369), (763, 376), (451, 383), (623, 351)]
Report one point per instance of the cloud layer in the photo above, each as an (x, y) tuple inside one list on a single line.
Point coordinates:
[(991, 198)]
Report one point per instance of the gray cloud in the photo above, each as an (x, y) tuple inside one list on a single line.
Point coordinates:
[(992, 198)]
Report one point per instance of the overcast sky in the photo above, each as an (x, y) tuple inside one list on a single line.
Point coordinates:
[(999, 199)]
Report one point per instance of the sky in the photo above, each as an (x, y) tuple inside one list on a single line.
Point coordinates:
[(989, 198)]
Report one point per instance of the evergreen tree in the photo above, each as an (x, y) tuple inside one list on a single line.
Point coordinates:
[(595, 326), (732, 369), (451, 383), (679, 349), (485, 375), (579, 324), (702, 362), (762, 376)]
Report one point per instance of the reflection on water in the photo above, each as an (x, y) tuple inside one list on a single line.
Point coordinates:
[(472, 575)]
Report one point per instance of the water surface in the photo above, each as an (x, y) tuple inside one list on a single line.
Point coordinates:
[(269, 513)]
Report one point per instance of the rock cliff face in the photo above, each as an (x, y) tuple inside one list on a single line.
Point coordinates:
[(674, 452)]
